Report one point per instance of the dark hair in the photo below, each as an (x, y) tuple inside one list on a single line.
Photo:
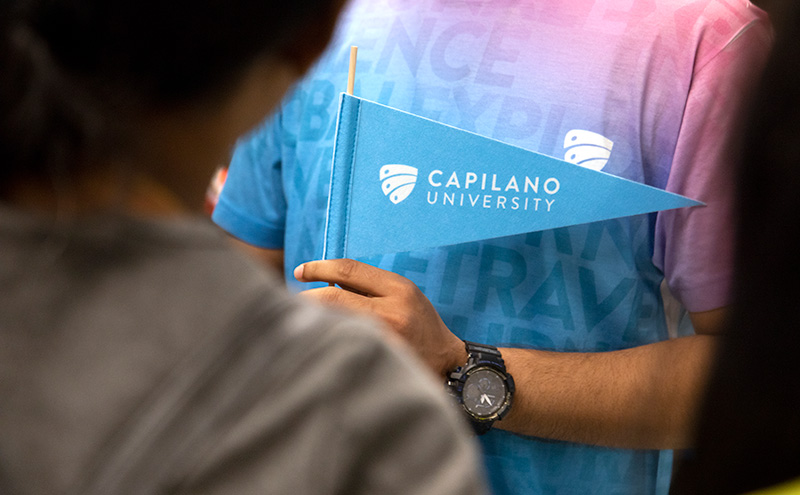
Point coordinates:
[(69, 67), (749, 432)]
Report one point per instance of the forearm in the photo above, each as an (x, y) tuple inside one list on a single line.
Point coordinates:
[(644, 397), (271, 258)]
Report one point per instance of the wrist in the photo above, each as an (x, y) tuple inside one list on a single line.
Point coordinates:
[(459, 358), (453, 356)]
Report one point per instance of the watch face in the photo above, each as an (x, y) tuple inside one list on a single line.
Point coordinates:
[(484, 393)]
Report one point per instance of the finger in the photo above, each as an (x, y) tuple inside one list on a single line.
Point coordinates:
[(356, 291), (335, 297), (351, 274)]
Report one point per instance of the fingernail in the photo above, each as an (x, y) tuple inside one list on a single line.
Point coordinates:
[(298, 272)]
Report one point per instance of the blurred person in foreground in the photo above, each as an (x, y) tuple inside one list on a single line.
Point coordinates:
[(748, 434), (138, 352)]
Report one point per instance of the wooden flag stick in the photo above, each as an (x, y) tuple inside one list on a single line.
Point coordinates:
[(351, 74), (351, 82)]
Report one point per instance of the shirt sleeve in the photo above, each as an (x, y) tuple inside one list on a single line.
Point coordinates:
[(252, 205), (694, 247)]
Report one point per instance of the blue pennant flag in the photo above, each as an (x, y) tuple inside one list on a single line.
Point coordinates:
[(402, 183)]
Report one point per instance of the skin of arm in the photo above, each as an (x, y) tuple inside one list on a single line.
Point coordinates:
[(643, 397), (272, 258)]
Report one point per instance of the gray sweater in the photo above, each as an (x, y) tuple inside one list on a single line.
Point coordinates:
[(141, 357)]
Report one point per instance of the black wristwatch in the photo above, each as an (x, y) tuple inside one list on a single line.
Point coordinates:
[(483, 387)]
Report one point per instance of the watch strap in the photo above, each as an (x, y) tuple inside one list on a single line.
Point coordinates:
[(480, 427), (484, 354)]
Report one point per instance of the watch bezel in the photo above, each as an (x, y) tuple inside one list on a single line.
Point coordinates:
[(505, 379)]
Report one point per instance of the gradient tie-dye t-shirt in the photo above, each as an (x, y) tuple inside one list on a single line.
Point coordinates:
[(642, 89)]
